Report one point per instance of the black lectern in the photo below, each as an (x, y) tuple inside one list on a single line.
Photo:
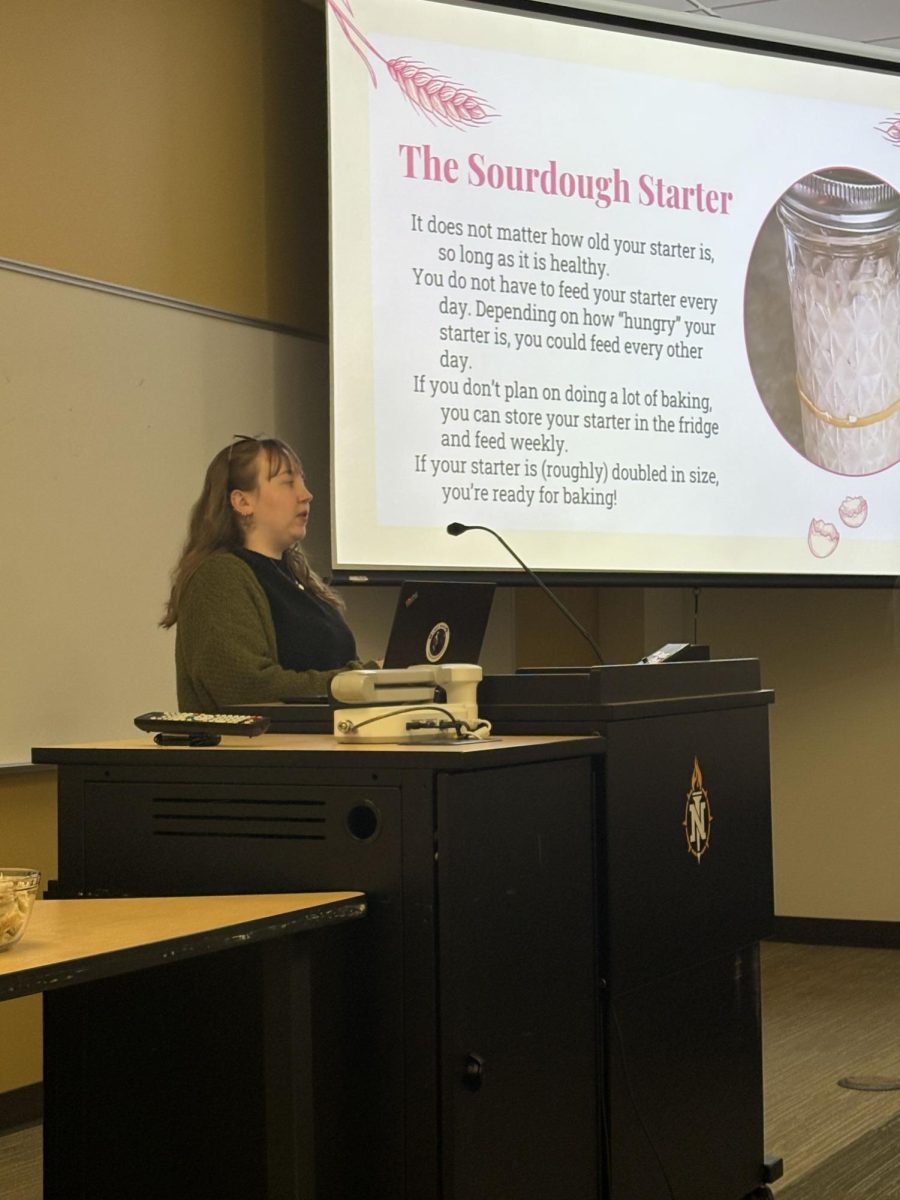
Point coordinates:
[(684, 894), (556, 990)]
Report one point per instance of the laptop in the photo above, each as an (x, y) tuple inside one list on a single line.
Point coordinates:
[(439, 622)]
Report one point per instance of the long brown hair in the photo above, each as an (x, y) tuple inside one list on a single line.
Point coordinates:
[(215, 526)]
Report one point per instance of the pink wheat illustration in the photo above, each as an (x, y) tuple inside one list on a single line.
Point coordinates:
[(432, 94), (890, 129)]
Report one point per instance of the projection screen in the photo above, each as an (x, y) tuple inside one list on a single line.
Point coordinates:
[(631, 300)]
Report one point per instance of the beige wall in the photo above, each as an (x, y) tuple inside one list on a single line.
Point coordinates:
[(833, 658), (174, 147)]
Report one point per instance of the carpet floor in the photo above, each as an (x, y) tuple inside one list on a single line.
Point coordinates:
[(868, 1169), (21, 1176), (828, 1012)]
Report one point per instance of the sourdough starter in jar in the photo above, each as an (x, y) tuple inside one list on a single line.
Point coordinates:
[(842, 240)]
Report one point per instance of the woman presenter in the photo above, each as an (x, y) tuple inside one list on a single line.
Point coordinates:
[(254, 621)]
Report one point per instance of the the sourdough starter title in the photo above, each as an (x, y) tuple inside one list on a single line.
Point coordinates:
[(420, 162)]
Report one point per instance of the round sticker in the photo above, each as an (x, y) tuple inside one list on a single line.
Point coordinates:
[(437, 642)]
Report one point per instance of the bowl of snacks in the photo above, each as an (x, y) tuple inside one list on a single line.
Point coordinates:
[(18, 889)]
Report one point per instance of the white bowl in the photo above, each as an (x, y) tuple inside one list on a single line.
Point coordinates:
[(18, 889)]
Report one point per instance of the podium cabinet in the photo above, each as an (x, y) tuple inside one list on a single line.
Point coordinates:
[(556, 991), (684, 893)]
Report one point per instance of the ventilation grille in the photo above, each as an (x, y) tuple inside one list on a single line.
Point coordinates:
[(293, 820)]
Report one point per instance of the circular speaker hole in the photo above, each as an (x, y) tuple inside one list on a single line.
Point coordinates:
[(363, 821)]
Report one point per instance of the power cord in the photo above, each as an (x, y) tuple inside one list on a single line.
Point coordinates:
[(464, 731)]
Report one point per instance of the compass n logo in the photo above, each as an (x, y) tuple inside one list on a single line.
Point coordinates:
[(698, 816)]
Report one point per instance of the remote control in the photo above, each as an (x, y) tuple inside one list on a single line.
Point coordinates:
[(192, 724)]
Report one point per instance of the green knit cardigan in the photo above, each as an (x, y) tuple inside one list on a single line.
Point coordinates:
[(225, 648)]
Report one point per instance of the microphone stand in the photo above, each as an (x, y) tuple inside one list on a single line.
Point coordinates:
[(456, 528)]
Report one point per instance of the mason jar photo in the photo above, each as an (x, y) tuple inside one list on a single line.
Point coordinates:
[(842, 249)]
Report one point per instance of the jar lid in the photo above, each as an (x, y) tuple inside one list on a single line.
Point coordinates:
[(844, 200)]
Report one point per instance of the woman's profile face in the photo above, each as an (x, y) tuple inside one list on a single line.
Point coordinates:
[(278, 507)]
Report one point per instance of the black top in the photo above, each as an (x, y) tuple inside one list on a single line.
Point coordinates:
[(311, 634)]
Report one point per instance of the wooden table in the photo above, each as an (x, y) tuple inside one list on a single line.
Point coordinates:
[(72, 941), (186, 1021)]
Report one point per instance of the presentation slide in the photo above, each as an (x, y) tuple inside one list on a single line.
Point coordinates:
[(632, 302)]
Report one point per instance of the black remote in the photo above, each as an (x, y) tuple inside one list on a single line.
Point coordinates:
[(201, 725)]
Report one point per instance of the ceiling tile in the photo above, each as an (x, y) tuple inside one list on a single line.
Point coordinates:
[(859, 21), (855, 22)]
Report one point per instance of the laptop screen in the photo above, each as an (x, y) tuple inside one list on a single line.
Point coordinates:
[(439, 622)]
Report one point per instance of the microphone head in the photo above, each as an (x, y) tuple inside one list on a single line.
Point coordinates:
[(455, 528)]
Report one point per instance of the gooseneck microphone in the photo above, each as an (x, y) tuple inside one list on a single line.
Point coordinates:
[(455, 528)]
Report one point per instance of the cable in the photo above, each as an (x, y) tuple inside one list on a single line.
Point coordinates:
[(452, 722), (458, 725), (707, 12)]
